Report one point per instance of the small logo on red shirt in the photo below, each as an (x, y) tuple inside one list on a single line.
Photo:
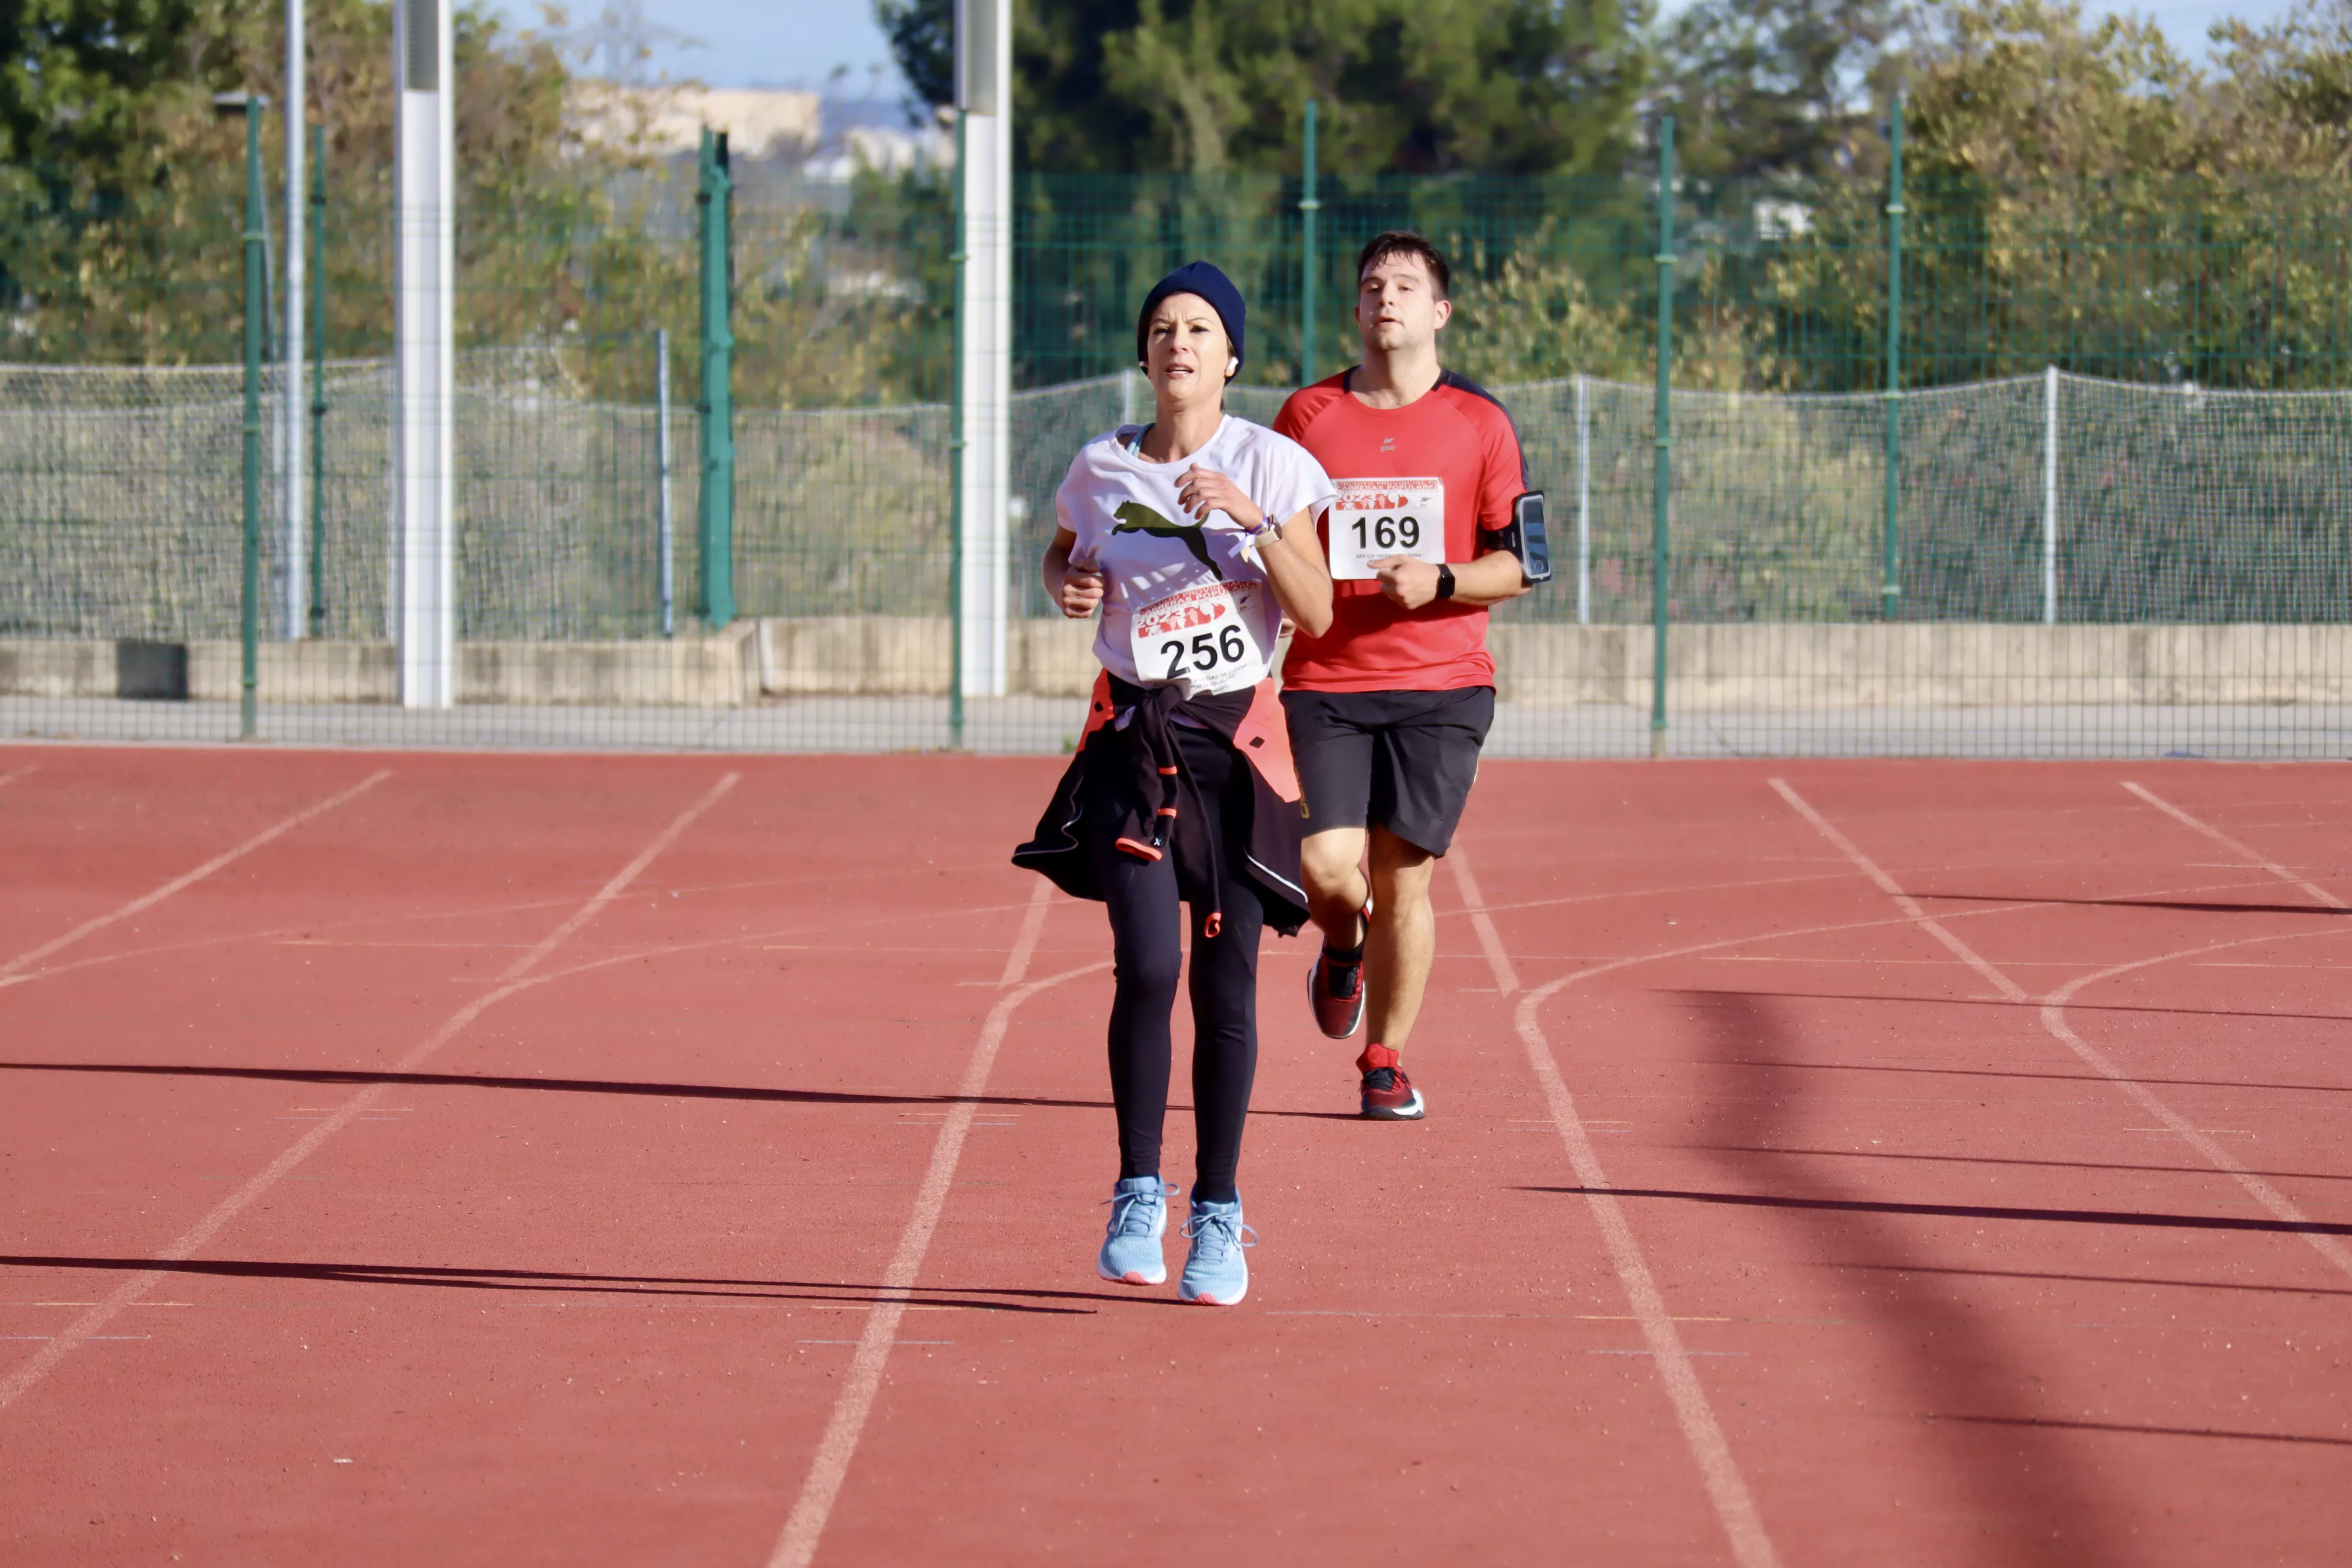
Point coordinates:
[(1388, 443)]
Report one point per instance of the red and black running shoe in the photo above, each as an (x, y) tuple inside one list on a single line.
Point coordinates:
[(1388, 1095), (1335, 986)]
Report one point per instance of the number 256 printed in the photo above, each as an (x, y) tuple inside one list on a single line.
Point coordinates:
[(1227, 647)]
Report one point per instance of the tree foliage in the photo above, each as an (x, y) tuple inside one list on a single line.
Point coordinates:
[(922, 40), (1781, 88), (1209, 86)]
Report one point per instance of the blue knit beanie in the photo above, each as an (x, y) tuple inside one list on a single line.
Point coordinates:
[(1199, 278)]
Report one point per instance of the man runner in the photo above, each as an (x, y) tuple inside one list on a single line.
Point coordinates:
[(1389, 708)]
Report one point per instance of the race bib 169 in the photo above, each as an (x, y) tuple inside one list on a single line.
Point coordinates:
[(1375, 519)]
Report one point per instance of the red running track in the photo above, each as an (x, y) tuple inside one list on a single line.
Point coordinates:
[(511, 1160)]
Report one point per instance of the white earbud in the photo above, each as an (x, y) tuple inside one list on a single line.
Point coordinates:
[(1233, 367)]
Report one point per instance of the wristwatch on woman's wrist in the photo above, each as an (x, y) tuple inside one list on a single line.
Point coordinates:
[(1445, 581)]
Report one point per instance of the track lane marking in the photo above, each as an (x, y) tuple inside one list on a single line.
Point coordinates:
[(2226, 842), (1024, 945), (9, 972), (1726, 1489), (14, 1386), (829, 1468), (277, 936), (1507, 979), (1903, 901), (2053, 1014), (2281, 1207), (11, 777)]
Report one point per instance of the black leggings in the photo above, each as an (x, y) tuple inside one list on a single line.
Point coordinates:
[(1147, 943)]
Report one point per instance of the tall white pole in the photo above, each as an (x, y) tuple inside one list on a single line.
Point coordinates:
[(2050, 496), (294, 559), (424, 369), (667, 526), (984, 94), (1583, 502)]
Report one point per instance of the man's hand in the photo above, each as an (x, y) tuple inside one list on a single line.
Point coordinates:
[(1408, 582), (1201, 491), (1082, 591)]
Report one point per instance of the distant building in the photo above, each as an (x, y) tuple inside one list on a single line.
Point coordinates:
[(665, 121), (884, 149)]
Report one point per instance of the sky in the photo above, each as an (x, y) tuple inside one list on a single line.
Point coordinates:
[(801, 43)]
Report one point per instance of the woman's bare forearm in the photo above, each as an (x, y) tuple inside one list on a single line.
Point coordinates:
[(1301, 584), (1056, 565)]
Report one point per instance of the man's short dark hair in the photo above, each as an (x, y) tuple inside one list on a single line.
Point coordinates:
[(1403, 242)]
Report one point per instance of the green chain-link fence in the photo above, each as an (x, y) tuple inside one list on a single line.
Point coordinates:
[(2144, 551)]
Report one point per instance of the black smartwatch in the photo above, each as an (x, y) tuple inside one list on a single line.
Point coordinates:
[(1445, 581)]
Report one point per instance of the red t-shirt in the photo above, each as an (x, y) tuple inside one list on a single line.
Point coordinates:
[(1454, 436)]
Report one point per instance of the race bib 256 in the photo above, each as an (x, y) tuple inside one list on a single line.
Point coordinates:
[(1204, 637)]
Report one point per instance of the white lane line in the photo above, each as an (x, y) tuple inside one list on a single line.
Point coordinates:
[(619, 883), (86, 1327), (1718, 1471), (796, 1548), (2053, 1019), (2226, 842), (1507, 979), (1903, 901), (11, 777), (1025, 946), (10, 972), (1664, 892)]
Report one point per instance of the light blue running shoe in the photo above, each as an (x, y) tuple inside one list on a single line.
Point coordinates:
[(1139, 1218), (1215, 1272)]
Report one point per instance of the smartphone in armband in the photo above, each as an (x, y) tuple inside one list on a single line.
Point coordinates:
[(1524, 537)]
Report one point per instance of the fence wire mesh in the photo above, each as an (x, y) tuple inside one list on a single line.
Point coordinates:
[(2082, 568)]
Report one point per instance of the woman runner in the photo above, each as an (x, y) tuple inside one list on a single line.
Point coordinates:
[(1195, 535)]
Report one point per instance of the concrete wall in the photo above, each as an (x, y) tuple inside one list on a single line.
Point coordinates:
[(690, 672), (1749, 667), (859, 656), (1711, 668)]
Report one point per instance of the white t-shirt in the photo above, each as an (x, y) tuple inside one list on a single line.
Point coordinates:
[(1184, 600)]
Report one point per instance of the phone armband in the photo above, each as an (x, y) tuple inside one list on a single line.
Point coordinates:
[(1524, 537)]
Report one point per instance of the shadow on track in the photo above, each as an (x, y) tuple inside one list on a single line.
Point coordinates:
[(555, 1085), (355, 1078), (2150, 1281), (2072, 1006), (2035, 1496), (1970, 1211), (2191, 905), (2142, 1431), (2032, 1077), (975, 1298), (2013, 1159)]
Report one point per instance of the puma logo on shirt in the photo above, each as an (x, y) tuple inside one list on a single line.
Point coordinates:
[(1134, 516)]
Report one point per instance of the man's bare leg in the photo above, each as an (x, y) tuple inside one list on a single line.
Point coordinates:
[(1403, 940), (1332, 862)]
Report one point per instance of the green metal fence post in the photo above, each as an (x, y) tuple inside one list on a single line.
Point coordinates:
[(716, 513), (319, 381), (962, 256), (1662, 483), (257, 281), (1308, 207), (1891, 588)]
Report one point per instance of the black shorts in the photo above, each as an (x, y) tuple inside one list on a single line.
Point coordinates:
[(1400, 760)]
